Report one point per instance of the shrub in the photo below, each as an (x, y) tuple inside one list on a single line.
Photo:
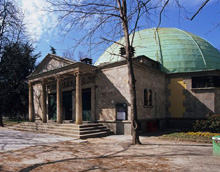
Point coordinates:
[(211, 124)]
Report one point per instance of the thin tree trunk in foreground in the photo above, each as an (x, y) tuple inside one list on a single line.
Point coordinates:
[(131, 77), (1, 121), (134, 119)]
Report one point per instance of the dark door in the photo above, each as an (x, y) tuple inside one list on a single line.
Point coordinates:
[(52, 107), (86, 104), (67, 105)]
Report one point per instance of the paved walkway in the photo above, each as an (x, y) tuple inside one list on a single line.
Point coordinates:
[(113, 153), (13, 140)]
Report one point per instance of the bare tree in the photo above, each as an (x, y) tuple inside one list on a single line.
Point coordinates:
[(112, 19), (108, 21), (68, 54), (11, 23), (11, 30), (200, 8)]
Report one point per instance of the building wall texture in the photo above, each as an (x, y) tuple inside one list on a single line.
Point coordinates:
[(176, 98), (112, 88), (173, 98), (199, 102), (154, 81)]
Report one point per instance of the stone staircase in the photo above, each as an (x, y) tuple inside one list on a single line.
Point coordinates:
[(83, 131)]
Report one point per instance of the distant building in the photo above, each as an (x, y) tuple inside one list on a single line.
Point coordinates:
[(178, 81)]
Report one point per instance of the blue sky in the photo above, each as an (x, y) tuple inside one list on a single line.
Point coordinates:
[(42, 27)]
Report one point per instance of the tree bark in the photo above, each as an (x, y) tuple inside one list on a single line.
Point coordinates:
[(134, 118), (131, 76), (1, 121)]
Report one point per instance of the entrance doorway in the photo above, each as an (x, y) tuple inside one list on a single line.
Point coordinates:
[(86, 105), (67, 105), (52, 107)]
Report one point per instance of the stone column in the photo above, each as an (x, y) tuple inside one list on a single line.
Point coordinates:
[(43, 102), (78, 99), (31, 102), (59, 101), (73, 106), (93, 100)]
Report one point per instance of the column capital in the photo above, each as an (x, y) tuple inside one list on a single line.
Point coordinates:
[(77, 73), (30, 83), (58, 77), (43, 81)]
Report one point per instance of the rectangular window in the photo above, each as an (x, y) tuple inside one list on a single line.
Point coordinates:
[(205, 81), (147, 97)]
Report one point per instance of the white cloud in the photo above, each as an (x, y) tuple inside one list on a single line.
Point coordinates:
[(38, 21)]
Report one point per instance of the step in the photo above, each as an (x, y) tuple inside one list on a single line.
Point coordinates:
[(94, 135), (95, 130), (48, 125), (87, 129), (71, 130), (81, 136)]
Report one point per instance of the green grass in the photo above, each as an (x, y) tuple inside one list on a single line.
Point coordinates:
[(205, 137)]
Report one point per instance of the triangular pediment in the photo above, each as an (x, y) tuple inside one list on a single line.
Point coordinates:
[(51, 62)]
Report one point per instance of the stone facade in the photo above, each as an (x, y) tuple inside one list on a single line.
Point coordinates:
[(196, 102), (113, 88), (154, 80), (199, 102), (82, 92)]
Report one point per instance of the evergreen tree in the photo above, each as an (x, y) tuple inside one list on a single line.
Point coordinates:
[(18, 61)]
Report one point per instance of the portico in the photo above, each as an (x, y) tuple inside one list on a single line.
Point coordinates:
[(66, 78)]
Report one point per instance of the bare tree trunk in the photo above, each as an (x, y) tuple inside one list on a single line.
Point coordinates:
[(134, 119), (131, 77), (1, 121)]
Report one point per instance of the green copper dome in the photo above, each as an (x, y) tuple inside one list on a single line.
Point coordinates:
[(175, 49)]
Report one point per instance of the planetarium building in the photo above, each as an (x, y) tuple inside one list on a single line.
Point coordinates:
[(178, 82)]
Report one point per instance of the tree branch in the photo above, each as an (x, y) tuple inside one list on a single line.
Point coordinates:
[(161, 12), (203, 5)]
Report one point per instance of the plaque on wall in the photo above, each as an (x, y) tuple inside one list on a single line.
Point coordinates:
[(121, 111)]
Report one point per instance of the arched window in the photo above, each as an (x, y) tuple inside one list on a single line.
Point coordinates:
[(145, 97), (150, 98)]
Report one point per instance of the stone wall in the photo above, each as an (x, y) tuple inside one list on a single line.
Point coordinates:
[(151, 80), (217, 101), (112, 88), (199, 101)]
